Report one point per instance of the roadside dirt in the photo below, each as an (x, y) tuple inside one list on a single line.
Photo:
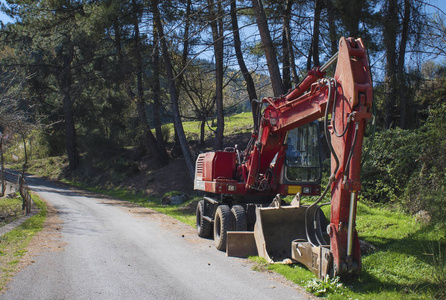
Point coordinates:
[(46, 240), (159, 181)]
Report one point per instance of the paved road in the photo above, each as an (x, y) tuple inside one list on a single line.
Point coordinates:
[(115, 250)]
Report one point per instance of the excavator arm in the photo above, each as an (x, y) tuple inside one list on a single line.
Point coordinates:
[(348, 99)]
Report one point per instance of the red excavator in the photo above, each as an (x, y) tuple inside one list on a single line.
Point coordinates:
[(243, 209)]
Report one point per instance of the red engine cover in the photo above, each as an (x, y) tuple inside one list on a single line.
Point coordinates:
[(219, 164)]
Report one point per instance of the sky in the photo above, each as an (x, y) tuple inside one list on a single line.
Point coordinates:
[(4, 18)]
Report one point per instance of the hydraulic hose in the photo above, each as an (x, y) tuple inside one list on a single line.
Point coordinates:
[(320, 241), (350, 155)]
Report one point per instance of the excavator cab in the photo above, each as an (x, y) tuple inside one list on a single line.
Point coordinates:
[(302, 165), (303, 155)]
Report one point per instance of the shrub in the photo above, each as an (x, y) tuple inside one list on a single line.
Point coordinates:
[(408, 167), (426, 189), (390, 165)]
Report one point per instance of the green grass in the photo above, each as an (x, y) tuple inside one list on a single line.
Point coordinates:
[(50, 167), (13, 244), (10, 210), (235, 124), (402, 268)]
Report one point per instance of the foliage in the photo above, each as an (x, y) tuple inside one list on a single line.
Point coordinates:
[(390, 164), (325, 286), (82, 63), (426, 189), (407, 167)]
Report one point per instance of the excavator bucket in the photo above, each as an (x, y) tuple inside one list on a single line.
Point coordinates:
[(280, 237), (275, 230)]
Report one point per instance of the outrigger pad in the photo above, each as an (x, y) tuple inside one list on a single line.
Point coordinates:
[(318, 260), (241, 244)]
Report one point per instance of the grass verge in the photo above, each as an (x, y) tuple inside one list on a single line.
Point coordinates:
[(407, 264), (10, 210), (13, 244)]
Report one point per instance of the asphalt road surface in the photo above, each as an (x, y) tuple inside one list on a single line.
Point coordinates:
[(109, 249)]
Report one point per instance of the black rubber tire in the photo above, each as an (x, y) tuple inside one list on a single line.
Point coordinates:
[(222, 224), (239, 217), (203, 226)]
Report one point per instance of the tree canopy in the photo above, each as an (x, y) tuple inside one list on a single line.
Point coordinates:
[(106, 73)]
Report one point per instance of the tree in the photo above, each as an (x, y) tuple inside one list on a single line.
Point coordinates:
[(156, 91), (199, 87), (150, 141), (314, 49), (436, 36), (390, 15), (51, 43), (288, 60), (239, 54), (173, 91), (216, 23), (400, 64), (15, 125), (268, 47)]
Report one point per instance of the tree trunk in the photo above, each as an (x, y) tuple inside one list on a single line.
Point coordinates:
[(289, 42), (332, 26), (202, 128), (268, 47), (70, 130), (156, 89), (216, 21), (351, 14), (314, 50), (117, 43), (185, 53), (250, 87), (150, 141), (26, 200), (173, 93), (286, 71), (390, 35), (2, 165), (400, 66)]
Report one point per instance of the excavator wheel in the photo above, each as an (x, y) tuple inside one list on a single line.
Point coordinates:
[(204, 227), (239, 216), (222, 224)]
